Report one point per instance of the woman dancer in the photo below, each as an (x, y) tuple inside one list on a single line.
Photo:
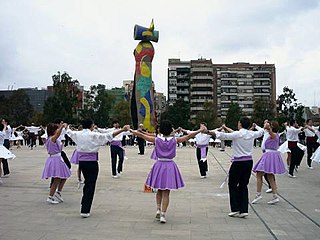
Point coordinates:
[(165, 174), (270, 163), (55, 167)]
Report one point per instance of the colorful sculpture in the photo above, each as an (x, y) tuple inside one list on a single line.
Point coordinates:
[(142, 99)]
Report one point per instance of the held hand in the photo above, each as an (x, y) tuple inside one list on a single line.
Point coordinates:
[(126, 127)]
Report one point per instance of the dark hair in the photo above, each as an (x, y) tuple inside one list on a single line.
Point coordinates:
[(165, 127), (292, 121), (115, 121), (1, 127), (51, 129), (275, 126), (245, 122), (204, 123), (87, 123), (6, 120), (309, 119), (58, 121)]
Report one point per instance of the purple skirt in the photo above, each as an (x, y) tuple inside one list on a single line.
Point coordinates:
[(75, 157), (56, 168), (165, 175), (270, 162)]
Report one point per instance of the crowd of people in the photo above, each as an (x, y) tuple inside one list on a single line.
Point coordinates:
[(165, 174)]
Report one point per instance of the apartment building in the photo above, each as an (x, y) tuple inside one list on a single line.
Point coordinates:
[(198, 81)]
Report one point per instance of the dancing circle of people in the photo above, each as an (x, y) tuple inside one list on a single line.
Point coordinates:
[(165, 174)]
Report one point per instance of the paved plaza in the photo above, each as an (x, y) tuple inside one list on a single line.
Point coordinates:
[(121, 210)]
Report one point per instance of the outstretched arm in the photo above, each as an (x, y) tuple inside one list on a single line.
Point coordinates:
[(146, 137), (125, 128), (190, 135), (58, 132)]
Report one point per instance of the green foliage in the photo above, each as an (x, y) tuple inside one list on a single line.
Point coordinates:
[(98, 105), (178, 114), (16, 108), (121, 111), (63, 104), (288, 108), (233, 116), (209, 115), (262, 110)]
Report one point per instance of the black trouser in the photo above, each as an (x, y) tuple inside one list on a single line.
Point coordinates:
[(295, 158), (203, 165), (5, 164), (239, 175), (311, 148), (116, 151), (90, 170), (141, 143)]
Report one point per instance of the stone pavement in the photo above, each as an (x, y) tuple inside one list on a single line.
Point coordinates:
[(121, 210)]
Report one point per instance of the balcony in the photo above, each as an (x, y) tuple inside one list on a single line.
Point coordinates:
[(201, 85), (183, 92), (201, 93), (201, 77), (183, 84)]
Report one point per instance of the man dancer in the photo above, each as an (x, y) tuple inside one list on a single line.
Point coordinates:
[(311, 141), (293, 138), (88, 143), (240, 170), (202, 142)]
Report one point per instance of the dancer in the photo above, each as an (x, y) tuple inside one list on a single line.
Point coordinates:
[(202, 142), (266, 135), (6, 143), (240, 170), (293, 138), (316, 155), (164, 175), (55, 167), (311, 141), (116, 149), (88, 143), (4, 152), (270, 163)]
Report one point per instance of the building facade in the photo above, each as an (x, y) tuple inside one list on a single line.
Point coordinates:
[(37, 97), (200, 81)]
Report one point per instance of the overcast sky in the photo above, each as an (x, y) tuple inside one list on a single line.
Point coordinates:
[(93, 41)]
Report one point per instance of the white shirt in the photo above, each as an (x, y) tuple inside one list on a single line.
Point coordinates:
[(309, 133), (201, 138), (119, 137), (88, 141), (33, 129), (242, 140), (8, 132), (293, 133), (63, 132)]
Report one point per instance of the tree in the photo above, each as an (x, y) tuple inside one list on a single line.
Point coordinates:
[(17, 108), (98, 105), (121, 111), (262, 110), (63, 104), (208, 115), (288, 108), (178, 114), (233, 115)]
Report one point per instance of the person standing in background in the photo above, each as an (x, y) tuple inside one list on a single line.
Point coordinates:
[(6, 143), (141, 141), (311, 141)]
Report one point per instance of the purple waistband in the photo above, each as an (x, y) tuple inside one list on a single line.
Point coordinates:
[(86, 156), (203, 150), (242, 158), (116, 143)]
